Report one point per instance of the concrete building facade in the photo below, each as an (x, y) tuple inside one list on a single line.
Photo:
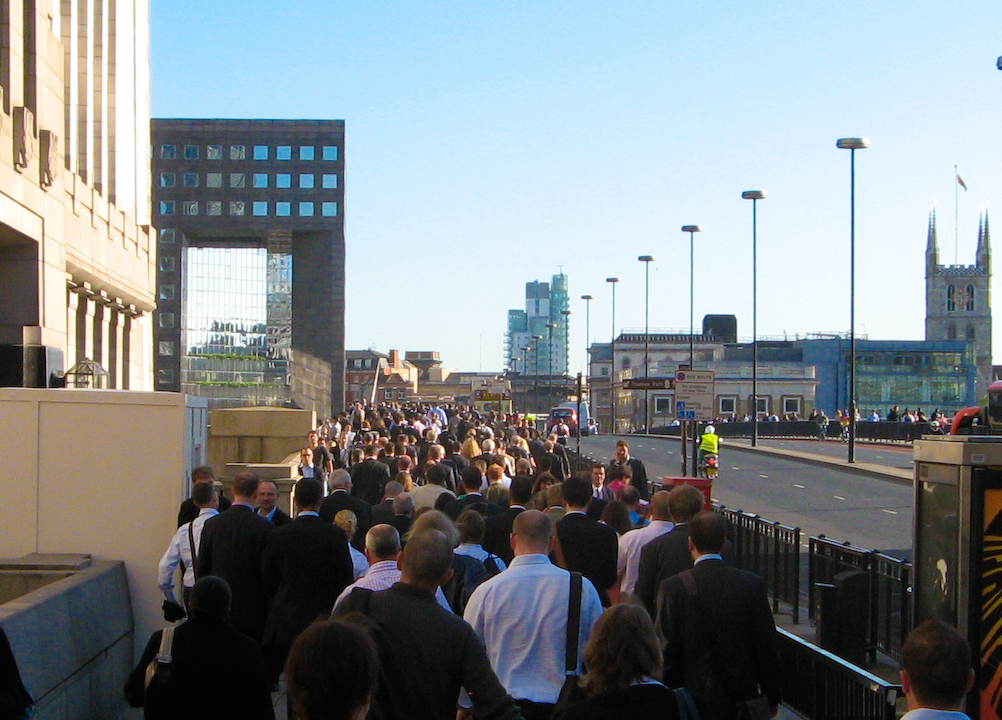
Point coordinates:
[(250, 220), (77, 268)]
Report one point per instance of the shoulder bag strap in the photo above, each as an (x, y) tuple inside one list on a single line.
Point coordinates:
[(166, 644), (686, 705), (573, 625), (191, 544)]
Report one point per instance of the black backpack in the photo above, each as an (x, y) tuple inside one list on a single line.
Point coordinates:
[(468, 573)]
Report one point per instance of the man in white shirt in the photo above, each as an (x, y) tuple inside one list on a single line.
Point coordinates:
[(631, 543), (526, 641), (179, 550), (936, 672)]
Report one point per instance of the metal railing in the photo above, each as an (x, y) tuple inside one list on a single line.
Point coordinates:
[(822, 686), (578, 463), (890, 613), (768, 549)]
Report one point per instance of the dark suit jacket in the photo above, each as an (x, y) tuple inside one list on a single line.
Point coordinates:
[(341, 500), (368, 479), (306, 565), (639, 701), (497, 533), (730, 619), (204, 648), (455, 508), (231, 547), (188, 510), (279, 519), (382, 513), (590, 548), (660, 559)]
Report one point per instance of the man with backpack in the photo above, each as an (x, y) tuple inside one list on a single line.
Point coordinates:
[(471, 532)]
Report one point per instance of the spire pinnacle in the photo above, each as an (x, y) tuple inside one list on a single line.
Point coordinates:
[(932, 241)]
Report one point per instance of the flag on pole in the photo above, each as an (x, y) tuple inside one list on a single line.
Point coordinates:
[(960, 181)]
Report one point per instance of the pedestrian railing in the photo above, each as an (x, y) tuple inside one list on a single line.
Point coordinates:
[(769, 549), (578, 462), (890, 615), (821, 686)]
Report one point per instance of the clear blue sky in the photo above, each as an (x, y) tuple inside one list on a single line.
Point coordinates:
[(491, 143)]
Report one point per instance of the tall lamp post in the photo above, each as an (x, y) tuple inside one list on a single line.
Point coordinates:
[(692, 230), (587, 366), (754, 196), (549, 364), (567, 353), (852, 145), (525, 371), (647, 260), (535, 379), (612, 373)]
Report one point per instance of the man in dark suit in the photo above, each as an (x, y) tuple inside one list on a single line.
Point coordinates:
[(188, 510), (382, 512), (474, 499), (206, 646), (669, 554), (600, 494), (305, 566), (342, 499), (718, 626), (585, 545), (369, 477), (497, 528), (639, 477), (231, 548), (267, 504)]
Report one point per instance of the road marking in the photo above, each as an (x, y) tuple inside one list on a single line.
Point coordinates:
[(764, 476), (838, 497), (798, 486), (735, 467), (890, 512)]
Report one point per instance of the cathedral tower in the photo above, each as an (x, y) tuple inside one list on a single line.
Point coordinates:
[(958, 299)]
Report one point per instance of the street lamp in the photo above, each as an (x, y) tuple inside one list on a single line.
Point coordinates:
[(549, 362), (691, 229), (852, 144), (647, 260), (612, 373), (754, 196), (535, 379), (567, 353), (587, 299)]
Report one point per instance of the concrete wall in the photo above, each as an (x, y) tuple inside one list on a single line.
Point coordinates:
[(260, 435), (99, 472)]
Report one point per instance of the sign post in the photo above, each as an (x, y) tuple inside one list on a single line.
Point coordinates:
[(694, 395)]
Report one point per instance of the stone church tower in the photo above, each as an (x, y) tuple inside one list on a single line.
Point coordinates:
[(958, 300)]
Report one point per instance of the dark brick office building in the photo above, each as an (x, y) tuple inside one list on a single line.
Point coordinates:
[(250, 266)]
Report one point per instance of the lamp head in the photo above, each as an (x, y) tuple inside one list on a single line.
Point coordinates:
[(852, 143), (755, 194), (692, 228), (565, 312), (587, 297), (647, 258), (612, 280)]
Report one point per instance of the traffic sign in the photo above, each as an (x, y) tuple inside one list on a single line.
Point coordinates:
[(649, 383), (694, 395)]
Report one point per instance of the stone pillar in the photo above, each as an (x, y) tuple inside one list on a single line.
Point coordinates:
[(127, 351), (85, 328), (72, 302), (114, 346)]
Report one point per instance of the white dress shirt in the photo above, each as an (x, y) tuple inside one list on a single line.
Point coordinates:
[(359, 564), (382, 576), (630, 545), (179, 550), (521, 615)]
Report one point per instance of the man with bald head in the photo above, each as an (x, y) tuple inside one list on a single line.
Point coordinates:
[(527, 648), (430, 653), (631, 543)]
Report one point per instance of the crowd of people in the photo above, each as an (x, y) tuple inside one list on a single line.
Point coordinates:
[(441, 564)]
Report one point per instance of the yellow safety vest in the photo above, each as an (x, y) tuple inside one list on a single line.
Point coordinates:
[(710, 443)]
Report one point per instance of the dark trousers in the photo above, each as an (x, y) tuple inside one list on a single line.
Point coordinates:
[(534, 710)]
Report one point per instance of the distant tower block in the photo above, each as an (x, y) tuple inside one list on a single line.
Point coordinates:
[(958, 303)]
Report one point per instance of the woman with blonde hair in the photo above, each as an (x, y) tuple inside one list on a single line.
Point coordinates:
[(470, 448)]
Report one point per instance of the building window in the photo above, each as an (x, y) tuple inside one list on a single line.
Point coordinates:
[(329, 209), (306, 152), (214, 180), (236, 207), (260, 180), (191, 180), (662, 405), (166, 292), (727, 405), (260, 209), (762, 405), (260, 152), (791, 405), (329, 182), (166, 320), (168, 180), (190, 207), (387, 394), (283, 209), (168, 152), (951, 332), (970, 298), (238, 180), (238, 152), (213, 207), (283, 152), (330, 152), (604, 371), (165, 376), (283, 180), (970, 334), (305, 209), (401, 394), (191, 152), (167, 263), (306, 182), (166, 207), (168, 236), (625, 362), (166, 347), (214, 152), (950, 304)]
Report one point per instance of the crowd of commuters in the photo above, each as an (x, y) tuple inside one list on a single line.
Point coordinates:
[(441, 564)]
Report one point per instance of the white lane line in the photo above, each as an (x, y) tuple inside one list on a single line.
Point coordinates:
[(764, 476), (735, 467), (798, 486), (838, 497), (890, 512)]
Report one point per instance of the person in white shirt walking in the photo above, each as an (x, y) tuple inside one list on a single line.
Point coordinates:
[(179, 552), (631, 543)]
